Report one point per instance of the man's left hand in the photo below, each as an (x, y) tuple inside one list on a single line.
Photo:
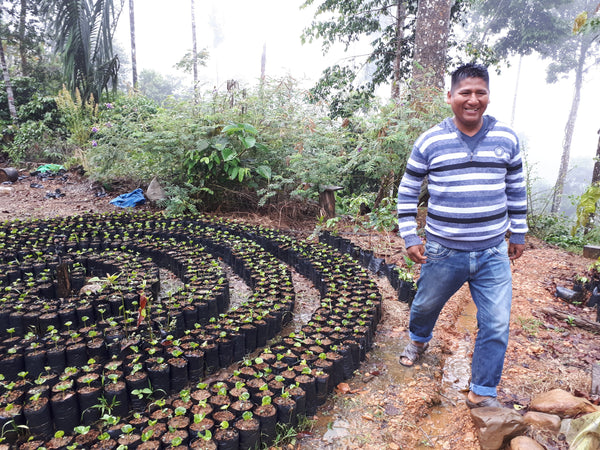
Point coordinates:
[(515, 250)]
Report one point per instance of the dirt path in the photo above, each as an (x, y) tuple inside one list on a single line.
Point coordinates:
[(385, 405)]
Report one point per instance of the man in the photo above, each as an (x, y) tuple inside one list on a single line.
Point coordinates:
[(477, 194)]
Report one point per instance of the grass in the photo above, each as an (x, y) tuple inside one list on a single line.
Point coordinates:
[(530, 325), (287, 434)]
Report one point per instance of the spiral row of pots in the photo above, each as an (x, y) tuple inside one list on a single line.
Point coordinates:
[(91, 360)]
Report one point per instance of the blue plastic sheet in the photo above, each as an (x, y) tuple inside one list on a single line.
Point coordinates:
[(129, 200)]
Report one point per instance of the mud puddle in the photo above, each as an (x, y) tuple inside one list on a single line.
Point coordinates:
[(456, 377)]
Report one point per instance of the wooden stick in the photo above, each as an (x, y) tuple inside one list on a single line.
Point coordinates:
[(578, 321)]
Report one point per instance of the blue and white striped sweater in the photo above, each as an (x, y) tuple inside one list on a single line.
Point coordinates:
[(475, 196)]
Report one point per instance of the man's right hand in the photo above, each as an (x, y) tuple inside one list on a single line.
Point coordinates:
[(417, 253)]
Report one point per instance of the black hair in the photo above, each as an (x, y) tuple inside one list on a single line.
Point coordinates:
[(469, 70)]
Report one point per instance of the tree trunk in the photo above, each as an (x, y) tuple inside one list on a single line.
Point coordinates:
[(263, 64), (400, 16), (133, 54), (569, 128), (387, 182), (8, 86), (194, 52), (514, 105), (22, 29), (431, 42)]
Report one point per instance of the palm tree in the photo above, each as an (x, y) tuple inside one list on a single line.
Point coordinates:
[(83, 32)]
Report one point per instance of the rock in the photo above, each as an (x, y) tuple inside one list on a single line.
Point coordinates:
[(339, 429), (543, 421), (583, 433), (155, 192), (596, 375), (591, 251), (568, 294), (92, 288), (494, 425), (562, 403), (5, 190), (525, 443)]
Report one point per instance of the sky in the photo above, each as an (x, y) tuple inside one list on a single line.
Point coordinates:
[(234, 33)]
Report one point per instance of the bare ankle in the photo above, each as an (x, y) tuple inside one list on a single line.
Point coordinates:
[(475, 397)]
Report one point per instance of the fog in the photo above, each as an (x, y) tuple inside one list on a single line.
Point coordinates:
[(235, 31)]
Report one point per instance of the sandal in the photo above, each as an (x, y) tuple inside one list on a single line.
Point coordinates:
[(412, 352), (488, 402)]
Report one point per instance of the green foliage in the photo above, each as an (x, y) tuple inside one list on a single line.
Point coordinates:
[(571, 50), (119, 137), (40, 108), (347, 23), (382, 218), (338, 86), (349, 87), (83, 33), (586, 206), (221, 154), (383, 148), (587, 23), (555, 229), (78, 114), (157, 87), (33, 140), (41, 126), (186, 64), (264, 142), (517, 27), (25, 91)]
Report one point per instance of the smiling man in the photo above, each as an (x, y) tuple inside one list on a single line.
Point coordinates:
[(476, 195)]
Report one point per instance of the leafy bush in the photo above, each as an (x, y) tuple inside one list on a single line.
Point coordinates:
[(34, 141), (556, 230), (24, 88), (78, 115)]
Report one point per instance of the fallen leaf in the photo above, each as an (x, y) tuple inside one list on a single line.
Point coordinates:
[(343, 388)]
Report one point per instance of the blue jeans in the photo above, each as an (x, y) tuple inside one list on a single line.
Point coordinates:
[(490, 281)]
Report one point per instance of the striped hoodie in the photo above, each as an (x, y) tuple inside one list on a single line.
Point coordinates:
[(475, 196)]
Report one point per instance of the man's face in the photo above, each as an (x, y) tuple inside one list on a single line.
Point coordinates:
[(469, 101)]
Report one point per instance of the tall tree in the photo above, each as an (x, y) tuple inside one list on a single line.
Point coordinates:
[(399, 41), (573, 57), (133, 54), (24, 35), (22, 31), (83, 32), (431, 42), (194, 51), (8, 86), (6, 76)]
